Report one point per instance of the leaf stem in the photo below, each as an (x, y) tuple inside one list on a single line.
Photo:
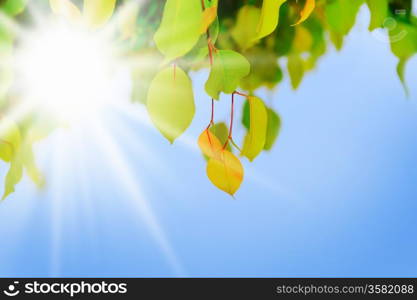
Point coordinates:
[(209, 43), (232, 112), (240, 94), (212, 114), (210, 48), (235, 145), (230, 137), (211, 122)]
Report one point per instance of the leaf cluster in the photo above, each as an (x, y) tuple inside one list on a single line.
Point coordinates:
[(244, 45)]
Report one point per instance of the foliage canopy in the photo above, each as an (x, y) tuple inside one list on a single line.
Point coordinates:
[(245, 45)]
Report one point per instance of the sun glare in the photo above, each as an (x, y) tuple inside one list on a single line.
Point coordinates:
[(64, 69), (77, 75)]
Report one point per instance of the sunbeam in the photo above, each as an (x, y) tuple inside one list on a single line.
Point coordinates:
[(58, 162), (62, 69), (136, 196)]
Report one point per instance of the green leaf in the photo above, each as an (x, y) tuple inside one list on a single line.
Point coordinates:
[(341, 16), (228, 69), (265, 70), (404, 45), (401, 74), (221, 131), (246, 115), (269, 17), (273, 129), (180, 28), (171, 102), (98, 12), (296, 70), (379, 13), (318, 47), (255, 139), (200, 51), (245, 31), (285, 33), (403, 40), (13, 7)]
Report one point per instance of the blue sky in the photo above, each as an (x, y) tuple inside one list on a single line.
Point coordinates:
[(337, 196)]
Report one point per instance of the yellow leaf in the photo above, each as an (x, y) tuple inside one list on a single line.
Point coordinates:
[(209, 144), (14, 175), (98, 12), (255, 139), (209, 15), (225, 172), (296, 70), (306, 12), (303, 40), (180, 28), (269, 17), (10, 139), (66, 9), (245, 30), (170, 102)]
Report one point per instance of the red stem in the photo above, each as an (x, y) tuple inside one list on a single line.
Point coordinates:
[(211, 121), (210, 49), (211, 64), (209, 45), (232, 112), (232, 116), (240, 94), (212, 111), (212, 114)]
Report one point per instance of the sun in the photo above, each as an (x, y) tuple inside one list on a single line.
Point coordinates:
[(64, 69)]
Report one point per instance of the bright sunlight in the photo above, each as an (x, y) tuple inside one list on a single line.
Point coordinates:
[(64, 69)]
